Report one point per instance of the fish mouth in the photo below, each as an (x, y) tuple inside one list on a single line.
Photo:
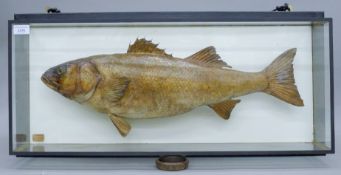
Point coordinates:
[(49, 83)]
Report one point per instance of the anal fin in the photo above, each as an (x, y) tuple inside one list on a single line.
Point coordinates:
[(224, 108), (122, 126)]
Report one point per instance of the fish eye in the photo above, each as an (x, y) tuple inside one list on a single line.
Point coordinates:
[(61, 69)]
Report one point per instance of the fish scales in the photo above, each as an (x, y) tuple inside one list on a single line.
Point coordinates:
[(171, 86), (146, 82)]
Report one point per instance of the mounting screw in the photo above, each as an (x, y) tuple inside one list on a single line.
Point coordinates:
[(52, 10), (284, 8)]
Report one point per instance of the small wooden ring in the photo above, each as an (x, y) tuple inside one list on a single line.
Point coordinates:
[(172, 163)]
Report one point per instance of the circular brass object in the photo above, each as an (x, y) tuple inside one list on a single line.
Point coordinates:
[(172, 163)]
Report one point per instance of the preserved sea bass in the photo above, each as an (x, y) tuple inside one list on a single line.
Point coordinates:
[(146, 82)]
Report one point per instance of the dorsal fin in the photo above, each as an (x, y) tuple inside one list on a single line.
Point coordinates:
[(144, 46), (207, 57)]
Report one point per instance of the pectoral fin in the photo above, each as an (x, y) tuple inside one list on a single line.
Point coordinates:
[(224, 108), (122, 126), (116, 89)]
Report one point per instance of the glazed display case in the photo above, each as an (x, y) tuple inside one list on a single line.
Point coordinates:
[(44, 123)]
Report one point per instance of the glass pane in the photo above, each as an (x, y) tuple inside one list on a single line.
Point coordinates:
[(45, 121)]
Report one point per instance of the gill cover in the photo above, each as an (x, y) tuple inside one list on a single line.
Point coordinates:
[(88, 79)]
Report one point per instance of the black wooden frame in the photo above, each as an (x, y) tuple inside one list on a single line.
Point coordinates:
[(169, 17)]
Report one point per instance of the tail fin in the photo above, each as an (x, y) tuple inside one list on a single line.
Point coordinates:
[(281, 79)]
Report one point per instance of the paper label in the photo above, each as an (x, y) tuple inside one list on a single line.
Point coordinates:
[(21, 29)]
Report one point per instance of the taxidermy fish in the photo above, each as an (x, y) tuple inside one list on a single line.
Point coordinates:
[(146, 82)]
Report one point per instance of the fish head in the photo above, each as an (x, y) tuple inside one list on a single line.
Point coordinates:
[(74, 80), (62, 78)]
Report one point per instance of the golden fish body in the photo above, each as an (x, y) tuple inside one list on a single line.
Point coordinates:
[(146, 82), (161, 87)]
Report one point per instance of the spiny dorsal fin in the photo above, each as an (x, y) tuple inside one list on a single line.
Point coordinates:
[(115, 91), (144, 46), (224, 108), (122, 126), (207, 57)]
